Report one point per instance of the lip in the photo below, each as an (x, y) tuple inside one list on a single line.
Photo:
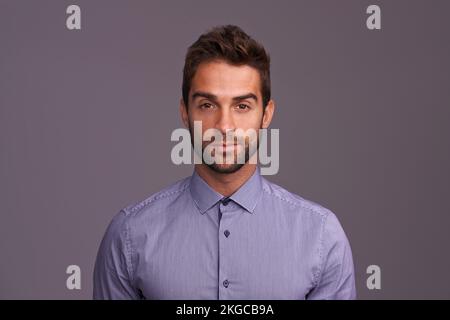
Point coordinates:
[(224, 146)]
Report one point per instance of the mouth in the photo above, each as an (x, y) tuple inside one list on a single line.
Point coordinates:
[(224, 147), (230, 145)]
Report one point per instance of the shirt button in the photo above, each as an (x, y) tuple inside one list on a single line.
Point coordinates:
[(225, 201), (226, 283), (226, 233)]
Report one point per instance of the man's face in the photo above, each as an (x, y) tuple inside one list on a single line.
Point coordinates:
[(226, 97)]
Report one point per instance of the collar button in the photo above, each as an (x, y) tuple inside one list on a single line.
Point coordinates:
[(225, 201)]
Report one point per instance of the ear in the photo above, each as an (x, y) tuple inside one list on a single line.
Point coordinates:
[(184, 113), (268, 113)]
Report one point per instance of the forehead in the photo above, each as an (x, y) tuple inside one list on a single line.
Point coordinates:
[(226, 80)]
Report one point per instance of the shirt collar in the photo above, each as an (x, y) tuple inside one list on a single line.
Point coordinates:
[(246, 196)]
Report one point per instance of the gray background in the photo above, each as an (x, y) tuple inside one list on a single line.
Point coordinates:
[(86, 118)]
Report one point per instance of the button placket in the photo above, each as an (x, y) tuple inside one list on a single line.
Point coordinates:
[(224, 249), (231, 213)]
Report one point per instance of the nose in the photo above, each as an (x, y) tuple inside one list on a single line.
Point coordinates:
[(225, 121)]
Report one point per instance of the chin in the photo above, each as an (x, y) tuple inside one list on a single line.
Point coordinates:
[(225, 168)]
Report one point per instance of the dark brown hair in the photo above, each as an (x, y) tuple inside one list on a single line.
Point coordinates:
[(231, 44)]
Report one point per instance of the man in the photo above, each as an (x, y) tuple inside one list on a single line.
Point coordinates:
[(225, 232)]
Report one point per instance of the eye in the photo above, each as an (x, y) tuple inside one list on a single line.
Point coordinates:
[(206, 105), (243, 106)]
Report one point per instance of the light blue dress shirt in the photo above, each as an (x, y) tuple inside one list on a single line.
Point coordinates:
[(189, 242)]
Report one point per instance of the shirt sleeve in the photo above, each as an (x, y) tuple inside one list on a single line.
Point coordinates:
[(112, 271), (336, 280)]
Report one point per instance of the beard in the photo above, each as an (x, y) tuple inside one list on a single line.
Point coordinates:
[(227, 168), (230, 167)]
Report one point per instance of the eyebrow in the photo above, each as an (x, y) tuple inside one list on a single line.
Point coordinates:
[(213, 97)]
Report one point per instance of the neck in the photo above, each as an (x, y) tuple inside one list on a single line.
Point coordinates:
[(225, 183)]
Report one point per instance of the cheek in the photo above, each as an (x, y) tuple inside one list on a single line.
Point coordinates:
[(249, 121), (204, 122), (204, 117)]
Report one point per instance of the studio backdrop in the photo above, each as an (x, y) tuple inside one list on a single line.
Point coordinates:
[(89, 96)]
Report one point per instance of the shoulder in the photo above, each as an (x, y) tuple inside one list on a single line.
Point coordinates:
[(130, 219), (295, 202), (161, 198), (316, 216)]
